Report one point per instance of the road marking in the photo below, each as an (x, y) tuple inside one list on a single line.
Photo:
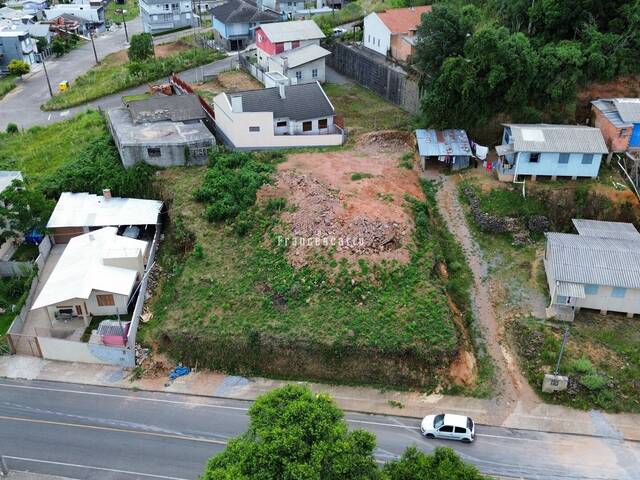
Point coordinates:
[(126, 397), (383, 424), (75, 465), (113, 429)]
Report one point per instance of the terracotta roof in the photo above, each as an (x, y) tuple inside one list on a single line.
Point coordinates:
[(401, 20)]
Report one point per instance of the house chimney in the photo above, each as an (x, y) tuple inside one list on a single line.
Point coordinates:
[(281, 89), (236, 104), (106, 193), (285, 65)]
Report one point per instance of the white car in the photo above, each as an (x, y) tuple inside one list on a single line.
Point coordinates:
[(454, 427), (338, 31)]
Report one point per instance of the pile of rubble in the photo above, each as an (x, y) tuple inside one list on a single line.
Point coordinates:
[(319, 220), (385, 139)]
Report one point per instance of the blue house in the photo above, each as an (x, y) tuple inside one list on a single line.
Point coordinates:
[(234, 22), (569, 151)]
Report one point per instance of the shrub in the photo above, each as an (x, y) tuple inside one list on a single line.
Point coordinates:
[(581, 365), (12, 128), (141, 47), (231, 183), (275, 205), (18, 68), (360, 175), (593, 381)]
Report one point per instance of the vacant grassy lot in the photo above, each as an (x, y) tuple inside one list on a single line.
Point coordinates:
[(364, 110), (131, 11), (41, 150), (235, 303), (115, 73), (602, 360)]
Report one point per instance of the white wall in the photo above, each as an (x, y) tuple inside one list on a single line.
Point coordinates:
[(235, 127), (119, 307), (306, 71), (376, 35)]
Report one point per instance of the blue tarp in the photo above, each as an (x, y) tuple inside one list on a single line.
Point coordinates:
[(179, 371)]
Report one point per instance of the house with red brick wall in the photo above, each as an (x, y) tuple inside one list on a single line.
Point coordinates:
[(619, 121), (276, 38)]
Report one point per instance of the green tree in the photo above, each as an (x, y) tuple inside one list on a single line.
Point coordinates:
[(58, 46), (443, 464), (141, 47), (22, 208), (12, 128), (441, 35), (18, 67), (294, 434)]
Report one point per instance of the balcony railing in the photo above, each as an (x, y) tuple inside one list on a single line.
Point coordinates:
[(330, 130)]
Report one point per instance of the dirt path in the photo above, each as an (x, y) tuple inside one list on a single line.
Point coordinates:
[(512, 387)]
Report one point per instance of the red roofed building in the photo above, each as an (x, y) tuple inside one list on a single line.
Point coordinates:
[(393, 32)]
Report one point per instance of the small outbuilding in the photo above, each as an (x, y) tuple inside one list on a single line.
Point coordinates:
[(450, 147)]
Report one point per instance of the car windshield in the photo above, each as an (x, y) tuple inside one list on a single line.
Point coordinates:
[(438, 421)]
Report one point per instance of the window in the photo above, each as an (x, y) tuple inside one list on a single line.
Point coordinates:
[(587, 159), (624, 132), (254, 129), (590, 289), (281, 124), (564, 158), (368, 38), (306, 126), (460, 430), (314, 73), (105, 300), (438, 421), (298, 75), (166, 6), (618, 292), (323, 123), (562, 300), (79, 309), (378, 42), (154, 152), (534, 157), (198, 152), (446, 429)]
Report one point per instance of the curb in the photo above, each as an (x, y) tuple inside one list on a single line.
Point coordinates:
[(346, 410)]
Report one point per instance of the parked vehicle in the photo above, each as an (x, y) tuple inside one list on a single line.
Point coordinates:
[(453, 427), (338, 31)]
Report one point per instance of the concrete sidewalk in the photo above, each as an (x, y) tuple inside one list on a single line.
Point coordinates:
[(538, 417)]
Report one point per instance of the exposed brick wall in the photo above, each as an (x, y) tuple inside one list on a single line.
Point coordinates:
[(611, 134)]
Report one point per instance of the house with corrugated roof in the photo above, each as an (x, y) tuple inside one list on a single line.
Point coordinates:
[(393, 32), (285, 116), (598, 268), (619, 121), (449, 147), (552, 151)]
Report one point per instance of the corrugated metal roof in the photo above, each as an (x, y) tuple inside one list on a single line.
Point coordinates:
[(89, 210), (621, 112), (594, 260), (597, 228), (629, 109), (568, 289), (242, 11), (434, 143), (557, 138)]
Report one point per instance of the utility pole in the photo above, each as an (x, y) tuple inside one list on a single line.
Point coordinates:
[(93, 44), (124, 21), (565, 338), (46, 74)]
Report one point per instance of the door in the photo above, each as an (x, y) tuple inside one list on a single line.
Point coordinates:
[(445, 431), (460, 432)]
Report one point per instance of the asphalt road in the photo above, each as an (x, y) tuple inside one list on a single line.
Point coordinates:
[(22, 105), (103, 433)]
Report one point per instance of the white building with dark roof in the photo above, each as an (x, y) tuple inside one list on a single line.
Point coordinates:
[(552, 151), (301, 65), (599, 268), (279, 117)]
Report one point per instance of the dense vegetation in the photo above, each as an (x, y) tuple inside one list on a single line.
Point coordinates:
[(522, 59), (7, 84), (13, 294), (295, 434)]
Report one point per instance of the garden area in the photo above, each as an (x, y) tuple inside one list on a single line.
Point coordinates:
[(13, 294), (130, 7), (143, 63)]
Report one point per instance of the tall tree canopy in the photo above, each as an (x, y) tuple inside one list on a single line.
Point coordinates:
[(443, 464), (21, 209)]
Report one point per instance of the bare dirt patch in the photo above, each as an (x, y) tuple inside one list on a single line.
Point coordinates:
[(364, 217), (628, 86), (166, 49), (233, 81)]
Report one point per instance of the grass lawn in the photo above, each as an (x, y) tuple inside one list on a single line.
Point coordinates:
[(364, 110), (7, 84), (131, 11), (113, 74), (41, 150), (602, 360), (236, 304)]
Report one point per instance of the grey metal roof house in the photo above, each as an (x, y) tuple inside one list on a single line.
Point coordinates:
[(619, 121), (234, 22), (162, 131), (550, 150), (599, 268), (451, 147)]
